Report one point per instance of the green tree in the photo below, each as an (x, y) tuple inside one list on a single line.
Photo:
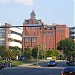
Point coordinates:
[(16, 50), (2, 48), (8, 54), (38, 50), (51, 53), (27, 52), (68, 47), (42, 53), (35, 51)]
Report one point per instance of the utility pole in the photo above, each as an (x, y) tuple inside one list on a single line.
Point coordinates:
[(43, 31), (37, 55)]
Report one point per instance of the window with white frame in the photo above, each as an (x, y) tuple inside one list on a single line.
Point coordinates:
[(34, 40)]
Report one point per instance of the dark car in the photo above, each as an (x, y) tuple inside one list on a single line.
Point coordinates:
[(52, 63), (1, 65), (4, 58), (70, 63), (22, 58), (68, 71), (8, 64)]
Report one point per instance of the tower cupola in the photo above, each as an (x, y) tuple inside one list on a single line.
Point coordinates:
[(33, 15)]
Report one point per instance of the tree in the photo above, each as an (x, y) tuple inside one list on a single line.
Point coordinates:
[(35, 51), (38, 50), (8, 54), (68, 47), (2, 48), (16, 50), (42, 54), (51, 53), (27, 52)]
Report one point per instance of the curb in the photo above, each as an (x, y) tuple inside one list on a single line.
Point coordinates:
[(30, 66), (24, 65), (11, 67)]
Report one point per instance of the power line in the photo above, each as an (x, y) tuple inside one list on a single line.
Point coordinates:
[(19, 26)]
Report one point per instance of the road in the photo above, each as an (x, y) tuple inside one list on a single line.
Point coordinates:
[(43, 70)]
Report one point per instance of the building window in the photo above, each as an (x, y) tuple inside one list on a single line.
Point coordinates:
[(45, 45), (60, 36), (49, 36), (49, 48), (53, 42), (34, 40), (27, 40), (62, 30), (50, 28), (72, 30), (27, 33), (52, 48), (35, 28), (53, 36), (27, 28), (34, 33), (54, 28)]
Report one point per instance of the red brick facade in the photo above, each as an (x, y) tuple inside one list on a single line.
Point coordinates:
[(52, 34)]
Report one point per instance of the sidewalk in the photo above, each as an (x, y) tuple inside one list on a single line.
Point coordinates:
[(29, 65)]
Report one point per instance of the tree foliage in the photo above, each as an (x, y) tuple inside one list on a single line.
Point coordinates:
[(27, 52), (35, 51), (42, 53), (2, 48), (15, 49), (67, 46), (51, 53), (8, 54)]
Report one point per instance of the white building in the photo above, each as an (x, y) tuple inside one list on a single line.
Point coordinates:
[(72, 33), (2, 36), (10, 36)]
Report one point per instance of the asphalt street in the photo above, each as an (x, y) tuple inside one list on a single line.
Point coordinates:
[(43, 70)]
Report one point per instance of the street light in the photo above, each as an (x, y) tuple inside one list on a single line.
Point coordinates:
[(37, 55), (43, 31)]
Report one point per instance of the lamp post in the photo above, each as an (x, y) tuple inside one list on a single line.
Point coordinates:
[(37, 55), (43, 31)]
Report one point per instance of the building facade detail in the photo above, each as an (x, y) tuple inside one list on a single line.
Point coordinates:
[(10, 36), (47, 36)]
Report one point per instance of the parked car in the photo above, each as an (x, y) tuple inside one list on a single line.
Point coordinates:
[(22, 58), (52, 63), (70, 63), (4, 58), (68, 71), (8, 64), (13, 58), (1, 65)]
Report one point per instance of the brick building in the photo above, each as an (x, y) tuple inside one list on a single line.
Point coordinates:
[(47, 36)]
